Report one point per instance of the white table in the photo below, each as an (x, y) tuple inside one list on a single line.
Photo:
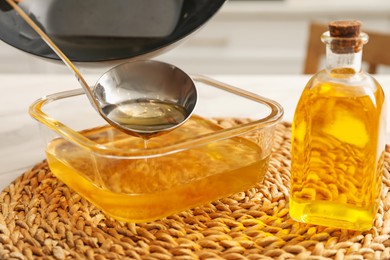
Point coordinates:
[(20, 143)]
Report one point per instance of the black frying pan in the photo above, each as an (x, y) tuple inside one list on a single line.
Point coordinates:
[(130, 28)]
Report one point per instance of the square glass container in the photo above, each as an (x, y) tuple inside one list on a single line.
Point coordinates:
[(135, 180)]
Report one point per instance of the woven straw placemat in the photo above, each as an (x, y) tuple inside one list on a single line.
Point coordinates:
[(41, 218)]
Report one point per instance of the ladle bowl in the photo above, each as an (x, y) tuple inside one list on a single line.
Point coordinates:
[(146, 98)]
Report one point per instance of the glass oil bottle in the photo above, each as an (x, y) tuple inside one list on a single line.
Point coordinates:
[(338, 138)]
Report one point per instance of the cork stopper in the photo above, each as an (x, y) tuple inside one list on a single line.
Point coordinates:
[(346, 34), (345, 29)]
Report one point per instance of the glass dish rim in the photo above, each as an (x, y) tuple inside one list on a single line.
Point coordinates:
[(275, 115)]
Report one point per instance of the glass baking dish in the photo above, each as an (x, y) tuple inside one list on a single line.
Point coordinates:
[(222, 149)]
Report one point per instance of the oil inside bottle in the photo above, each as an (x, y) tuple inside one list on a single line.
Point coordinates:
[(146, 117), (337, 154), (137, 190)]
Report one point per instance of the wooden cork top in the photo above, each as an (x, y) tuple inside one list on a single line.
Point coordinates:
[(347, 36), (345, 29)]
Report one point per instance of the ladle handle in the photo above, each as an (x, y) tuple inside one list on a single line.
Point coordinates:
[(60, 54)]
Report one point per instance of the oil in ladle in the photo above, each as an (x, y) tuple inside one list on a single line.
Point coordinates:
[(146, 117)]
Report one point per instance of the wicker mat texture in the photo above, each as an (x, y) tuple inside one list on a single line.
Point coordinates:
[(41, 218)]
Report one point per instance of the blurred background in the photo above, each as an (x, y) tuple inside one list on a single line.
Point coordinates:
[(244, 37)]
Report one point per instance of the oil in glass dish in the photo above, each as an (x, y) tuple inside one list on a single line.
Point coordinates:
[(136, 190)]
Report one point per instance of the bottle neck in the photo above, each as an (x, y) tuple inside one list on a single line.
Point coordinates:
[(335, 62), (344, 54)]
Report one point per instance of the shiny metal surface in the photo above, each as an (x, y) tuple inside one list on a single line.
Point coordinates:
[(140, 80), (95, 31)]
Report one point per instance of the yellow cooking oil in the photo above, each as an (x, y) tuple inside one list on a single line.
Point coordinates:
[(338, 153), (145, 188)]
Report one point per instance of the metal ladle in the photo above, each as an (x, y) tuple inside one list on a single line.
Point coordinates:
[(142, 98)]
